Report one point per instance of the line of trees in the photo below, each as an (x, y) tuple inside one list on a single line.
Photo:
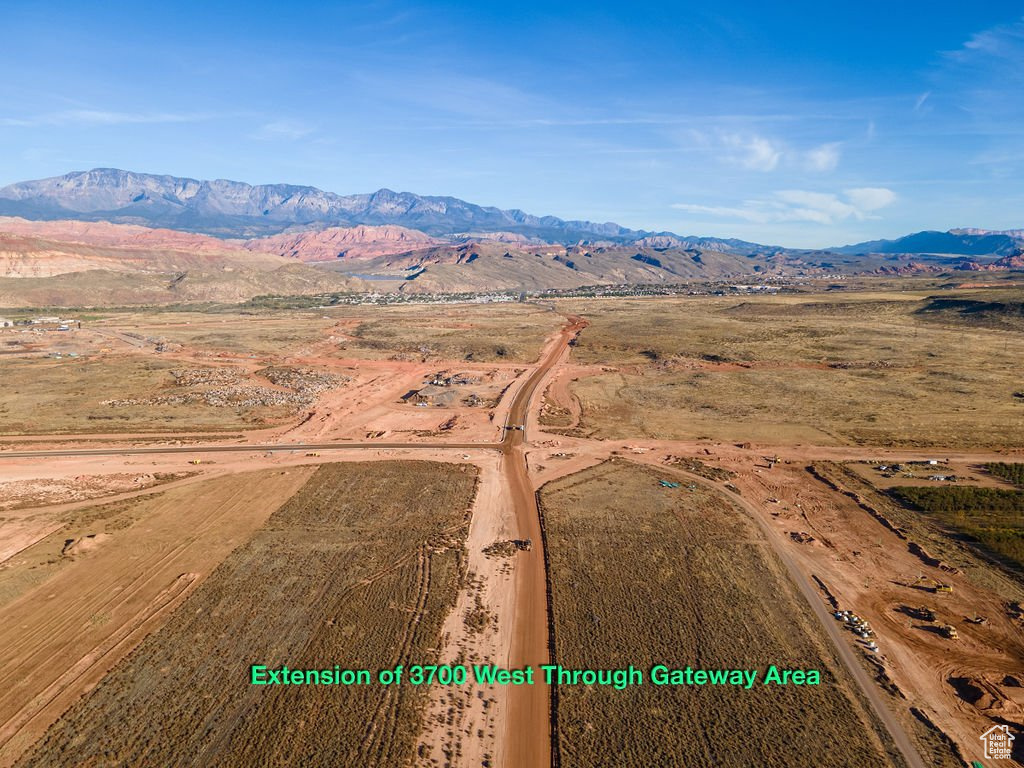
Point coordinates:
[(1013, 473), (960, 499)]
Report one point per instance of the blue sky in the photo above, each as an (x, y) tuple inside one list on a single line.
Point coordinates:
[(799, 123)]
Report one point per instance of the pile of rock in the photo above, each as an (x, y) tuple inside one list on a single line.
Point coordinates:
[(304, 380), (234, 396), (229, 388), (196, 377)]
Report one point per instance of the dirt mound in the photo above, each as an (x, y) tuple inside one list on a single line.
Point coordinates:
[(84, 545), (985, 696)]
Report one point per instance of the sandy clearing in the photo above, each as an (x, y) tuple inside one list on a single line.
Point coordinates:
[(870, 570), (20, 533)]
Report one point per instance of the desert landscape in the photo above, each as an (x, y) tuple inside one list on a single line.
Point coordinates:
[(511, 385), (782, 458)]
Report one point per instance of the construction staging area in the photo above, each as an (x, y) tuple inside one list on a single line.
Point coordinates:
[(620, 482)]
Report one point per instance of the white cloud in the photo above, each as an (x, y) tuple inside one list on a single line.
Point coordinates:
[(983, 78), (1000, 42), (823, 158), (755, 153), (821, 207), (871, 198), (284, 129), (760, 153), (798, 205)]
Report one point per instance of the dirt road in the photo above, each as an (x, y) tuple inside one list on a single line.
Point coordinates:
[(528, 735), (527, 729), (846, 654)]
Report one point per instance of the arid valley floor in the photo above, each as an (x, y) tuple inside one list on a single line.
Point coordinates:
[(692, 480)]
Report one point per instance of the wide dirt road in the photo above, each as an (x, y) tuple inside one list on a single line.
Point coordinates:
[(528, 729)]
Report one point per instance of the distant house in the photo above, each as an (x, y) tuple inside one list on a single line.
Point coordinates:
[(5, 323)]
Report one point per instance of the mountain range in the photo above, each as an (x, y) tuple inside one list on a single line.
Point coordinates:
[(959, 242), (235, 209), (111, 237), (232, 209)]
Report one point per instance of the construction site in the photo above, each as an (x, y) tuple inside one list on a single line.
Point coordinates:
[(146, 467)]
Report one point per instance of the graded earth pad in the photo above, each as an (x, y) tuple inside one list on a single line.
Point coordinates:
[(358, 569), (642, 574)]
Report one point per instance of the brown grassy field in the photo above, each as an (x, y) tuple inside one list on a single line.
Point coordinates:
[(84, 586), (260, 334), (863, 368), (483, 333), (69, 395), (650, 575), (359, 568)]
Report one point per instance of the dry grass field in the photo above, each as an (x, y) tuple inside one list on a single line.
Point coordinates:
[(70, 395), (83, 586), (359, 568), (511, 333), (483, 333), (259, 334), (643, 574), (861, 368)]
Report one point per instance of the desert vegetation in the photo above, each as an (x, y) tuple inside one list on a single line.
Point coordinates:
[(127, 393), (703, 589), (359, 568), (1013, 473), (506, 333), (861, 368), (993, 517)]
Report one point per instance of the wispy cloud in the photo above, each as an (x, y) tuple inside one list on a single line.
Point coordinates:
[(871, 198), (798, 205), (754, 152), (984, 76), (101, 117), (1000, 43), (289, 130), (823, 158)]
